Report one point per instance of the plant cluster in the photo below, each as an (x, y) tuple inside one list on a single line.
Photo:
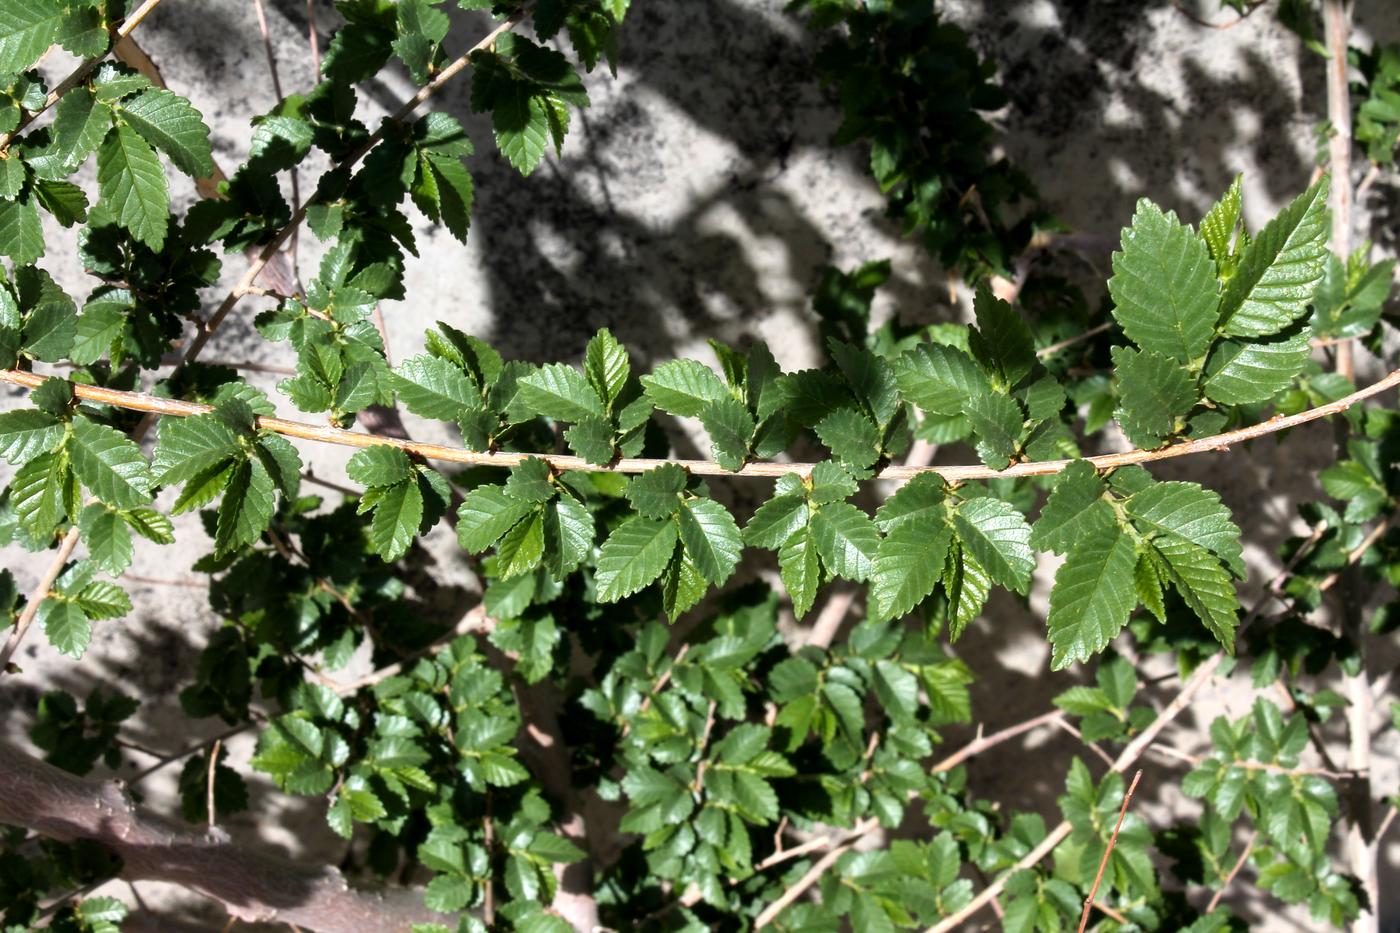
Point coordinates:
[(625, 731)]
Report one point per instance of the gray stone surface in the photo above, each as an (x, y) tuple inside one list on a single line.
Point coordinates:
[(698, 197)]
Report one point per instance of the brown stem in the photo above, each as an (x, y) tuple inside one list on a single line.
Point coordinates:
[(1336, 20), (1108, 852), (1235, 870), (812, 876), (37, 596), (252, 885), (138, 401)]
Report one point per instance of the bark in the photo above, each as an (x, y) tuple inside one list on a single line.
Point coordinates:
[(252, 886)]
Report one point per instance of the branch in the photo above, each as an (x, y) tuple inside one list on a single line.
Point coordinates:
[(80, 73), (1103, 863), (1235, 870), (39, 594), (252, 885), (1336, 19), (138, 401)]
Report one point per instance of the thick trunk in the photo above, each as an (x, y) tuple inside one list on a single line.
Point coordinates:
[(253, 886)]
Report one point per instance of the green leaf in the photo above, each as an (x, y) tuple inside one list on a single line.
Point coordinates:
[(560, 392), (1203, 584), (397, 514), (28, 432), (1244, 372), (132, 184), (998, 538), (168, 122), (939, 378), (968, 585), (607, 366), (999, 423), (683, 387), (846, 539), (529, 481), (65, 626), (434, 388), (776, 520), (37, 492), (633, 556), (188, 447), (522, 548), (103, 600), (485, 515), (246, 509), (656, 493), (923, 496), (592, 439), (1155, 395), (568, 535), (1075, 511), (851, 436), (109, 464), (443, 190), (1164, 287), (711, 538), (907, 566), (107, 537), (21, 232), (1002, 338), (1194, 514), (1279, 270), (421, 28), (730, 426), (1093, 596), (801, 569), (380, 465), (1218, 226), (521, 123), (27, 29)]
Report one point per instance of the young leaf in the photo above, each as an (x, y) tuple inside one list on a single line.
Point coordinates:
[(1203, 584), (380, 465), (434, 388), (1155, 395), (1279, 270), (398, 512), (65, 626), (1075, 511), (851, 437), (1218, 226), (1002, 339), (246, 509), (1163, 286), (107, 537), (568, 535), (1093, 596), (683, 387), (633, 556), (529, 481), (999, 423), (560, 392), (485, 515), (607, 366), (801, 569), (656, 493)]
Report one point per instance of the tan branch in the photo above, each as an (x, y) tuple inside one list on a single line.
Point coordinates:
[(137, 401), (253, 886), (1108, 853)]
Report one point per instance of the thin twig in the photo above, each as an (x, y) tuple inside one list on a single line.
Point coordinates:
[(1063, 725), (1054, 348), (1208, 24), (209, 790), (1263, 767), (312, 37), (1103, 863), (1235, 870), (812, 876), (155, 405), (37, 596)]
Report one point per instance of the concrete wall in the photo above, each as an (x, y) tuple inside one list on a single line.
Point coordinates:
[(698, 197)]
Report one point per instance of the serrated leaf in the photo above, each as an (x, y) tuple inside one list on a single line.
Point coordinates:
[(1164, 287), (682, 587), (560, 392), (656, 493), (939, 378), (1075, 511), (21, 231), (776, 520), (851, 437), (1279, 270), (846, 540), (968, 585), (730, 426), (27, 29), (1155, 395), (109, 464), (1243, 372), (381, 465), (188, 447), (65, 626), (607, 366), (1002, 337), (28, 432), (1194, 514), (485, 515), (683, 387), (168, 122), (1203, 584), (801, 569), (568, 534), (998, 538), (522, 548), (103, 599), (1093, 596), (37, 492), (529, 481), (592, 439), (107, 537), (1218, 226), (922, 497), (434, 388), (633, 556), (998, 422), (246, 509), (907, 566), (398, 512), (711, 538), (521, 123), (132, 184)]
